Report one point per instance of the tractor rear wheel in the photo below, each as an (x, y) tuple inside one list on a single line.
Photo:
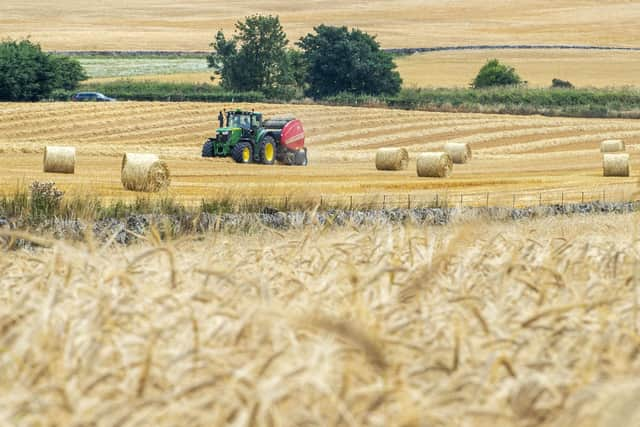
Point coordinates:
[(242, 152), (207, 148), (268, 150)]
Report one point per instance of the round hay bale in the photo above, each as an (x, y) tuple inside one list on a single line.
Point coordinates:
[(392, 159), (144, 172), (612, 146), (459, 152), (434, 165), (59, 159), (615, 164)]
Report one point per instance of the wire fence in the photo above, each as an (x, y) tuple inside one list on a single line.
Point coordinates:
[(449, 199)]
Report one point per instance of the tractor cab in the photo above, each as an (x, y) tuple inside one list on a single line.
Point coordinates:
[(245, 120)]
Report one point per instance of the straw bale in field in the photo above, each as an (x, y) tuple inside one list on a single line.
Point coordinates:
[(144, 172), (59, 159), (616, 164), (459, 152), (392, 159), (437, 164), (611, 146)]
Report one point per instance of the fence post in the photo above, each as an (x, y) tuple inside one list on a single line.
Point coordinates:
[(408, 201), (384, 201), (320, 202), (351, 202), (461, 200), (286, 202), (540, 199), (582, 197), (562, 199), (487, 199), (436, 200), (514, 200)]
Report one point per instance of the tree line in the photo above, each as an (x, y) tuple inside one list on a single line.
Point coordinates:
[(257, 58), (329, 61)]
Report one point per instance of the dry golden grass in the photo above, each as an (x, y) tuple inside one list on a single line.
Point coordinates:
[(512, 154), (470, 325), (191, 25), (538, 67)]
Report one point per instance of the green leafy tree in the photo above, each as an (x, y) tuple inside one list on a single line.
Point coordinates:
[(255, 58), (493, 73), (29, 74), (297, 67), (338, 60), (25, 71), (68, 72)]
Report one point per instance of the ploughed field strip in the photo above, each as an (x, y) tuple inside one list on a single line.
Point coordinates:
[(511, 154)]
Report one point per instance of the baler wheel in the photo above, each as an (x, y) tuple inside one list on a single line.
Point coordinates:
[(207, 148), (301, 158), (242, 152), (288, 158)]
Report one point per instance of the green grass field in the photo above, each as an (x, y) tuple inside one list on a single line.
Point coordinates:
[(103, 67)]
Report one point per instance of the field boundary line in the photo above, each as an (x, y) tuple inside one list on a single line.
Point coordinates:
[(399, 50)]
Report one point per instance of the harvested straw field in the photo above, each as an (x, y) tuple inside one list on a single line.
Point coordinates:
[(191, 25), (512, 154), (583, 68), (476, 324)]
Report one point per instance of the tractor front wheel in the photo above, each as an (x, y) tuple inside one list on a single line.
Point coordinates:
[(207, 148), (242, 152), (268, 150)]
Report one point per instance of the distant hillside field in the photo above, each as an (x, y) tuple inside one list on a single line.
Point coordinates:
[(583, 68), (191, 25)]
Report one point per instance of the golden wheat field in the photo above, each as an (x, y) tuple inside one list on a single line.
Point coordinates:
[(537, 67), (475, 324), (480, 322), (522, 155), (191, 25)]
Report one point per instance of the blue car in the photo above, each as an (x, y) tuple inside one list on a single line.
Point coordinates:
[(91, 96)]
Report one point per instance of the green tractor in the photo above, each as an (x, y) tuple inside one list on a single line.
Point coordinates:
[(247, 139)]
